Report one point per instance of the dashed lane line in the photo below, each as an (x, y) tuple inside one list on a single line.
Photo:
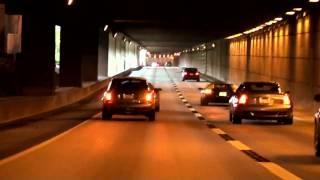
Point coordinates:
[(264, 162)]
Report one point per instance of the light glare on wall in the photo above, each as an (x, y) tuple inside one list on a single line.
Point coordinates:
[(70, 2)]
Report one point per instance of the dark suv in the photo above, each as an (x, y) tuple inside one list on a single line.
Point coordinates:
[(129, 95), (190, 74)]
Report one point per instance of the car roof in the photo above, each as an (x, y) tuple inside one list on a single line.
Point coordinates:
[(260, 82), (130, 78)]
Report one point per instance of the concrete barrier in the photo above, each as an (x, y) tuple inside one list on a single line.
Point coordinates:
[(20, 108)]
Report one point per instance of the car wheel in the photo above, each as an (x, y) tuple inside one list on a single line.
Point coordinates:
[(106, 115), (203, 101), (183, 79), (151, 115), (198, 80), (316, 139), (157, 107), (288, 121), (235, 119)]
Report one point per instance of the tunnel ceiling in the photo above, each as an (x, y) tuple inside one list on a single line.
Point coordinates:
[(170, 26)]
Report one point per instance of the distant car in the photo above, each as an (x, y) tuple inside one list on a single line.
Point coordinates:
[(317, 128), (129, 95), (190, 74), (155, 64), (216, 93), (261, 100), (168, 64)]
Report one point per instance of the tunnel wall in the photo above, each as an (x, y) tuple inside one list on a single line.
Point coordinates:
[(288, 53), (122, 54)]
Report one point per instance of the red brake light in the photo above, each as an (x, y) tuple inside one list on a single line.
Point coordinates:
[(107, 96), (185, 73), (243, 99), (197, 73), (286, 100), (149, 96)]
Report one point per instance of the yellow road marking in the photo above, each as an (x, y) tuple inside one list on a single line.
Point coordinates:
[(218, 131), (279, 171), (239, 145)]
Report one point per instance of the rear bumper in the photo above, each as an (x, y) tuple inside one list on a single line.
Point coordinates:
[(264, 114), (129, 109), (216, 99), (192, 77)]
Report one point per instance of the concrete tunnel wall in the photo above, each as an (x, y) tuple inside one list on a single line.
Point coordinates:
[(288, 53)]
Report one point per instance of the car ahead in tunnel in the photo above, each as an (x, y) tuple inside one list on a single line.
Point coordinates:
[(317, 128), (261, 100), (190, 74), (129, 96), (216, 93)]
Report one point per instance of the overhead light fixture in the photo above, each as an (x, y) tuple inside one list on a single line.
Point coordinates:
[(213, 45), (290, 13), (234, 36), (313, 1), (70, 2), (297, 9), (278, 19), (105, 28), (115, 35)]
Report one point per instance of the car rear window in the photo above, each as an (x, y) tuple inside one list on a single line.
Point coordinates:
[(191, 70), (263, 88), (129, 85)]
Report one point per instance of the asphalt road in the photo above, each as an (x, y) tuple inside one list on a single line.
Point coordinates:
[(76, 144)]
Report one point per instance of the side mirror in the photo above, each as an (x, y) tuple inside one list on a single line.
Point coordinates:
[(317, 98)]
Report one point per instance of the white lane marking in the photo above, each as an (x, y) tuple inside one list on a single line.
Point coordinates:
[(43, 144), (188, 104), (181, 97), (239, 145), (198, 114), (279, 171), (184, 100), (192, 109), (218, 131)]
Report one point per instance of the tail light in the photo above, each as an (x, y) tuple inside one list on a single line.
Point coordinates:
[(207, 91), (107, 96), (243, 99), (197, 73), (149, 96), (286, 100), (185, 73)]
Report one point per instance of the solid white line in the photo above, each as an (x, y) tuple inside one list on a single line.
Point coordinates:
[(188, 104), (239, 145), (43, 144), (218, 131), (279, 171), (183, 100), (192, 109), (198, 114)]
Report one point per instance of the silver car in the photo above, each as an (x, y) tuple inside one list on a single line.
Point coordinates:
[(261, 100)]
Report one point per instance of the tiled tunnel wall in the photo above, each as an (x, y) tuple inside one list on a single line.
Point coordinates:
[(288, 53)]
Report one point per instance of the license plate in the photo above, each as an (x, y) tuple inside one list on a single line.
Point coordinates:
[(223, 94), (128, 97), (191, 74), (264, 100)]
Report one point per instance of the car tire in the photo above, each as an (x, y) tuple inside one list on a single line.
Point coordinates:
[(183, 79), (204, 101), (151, 116), (198, 80), (158, 108), (288, 121), (106, 115), (235, 119), (316, 139)]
